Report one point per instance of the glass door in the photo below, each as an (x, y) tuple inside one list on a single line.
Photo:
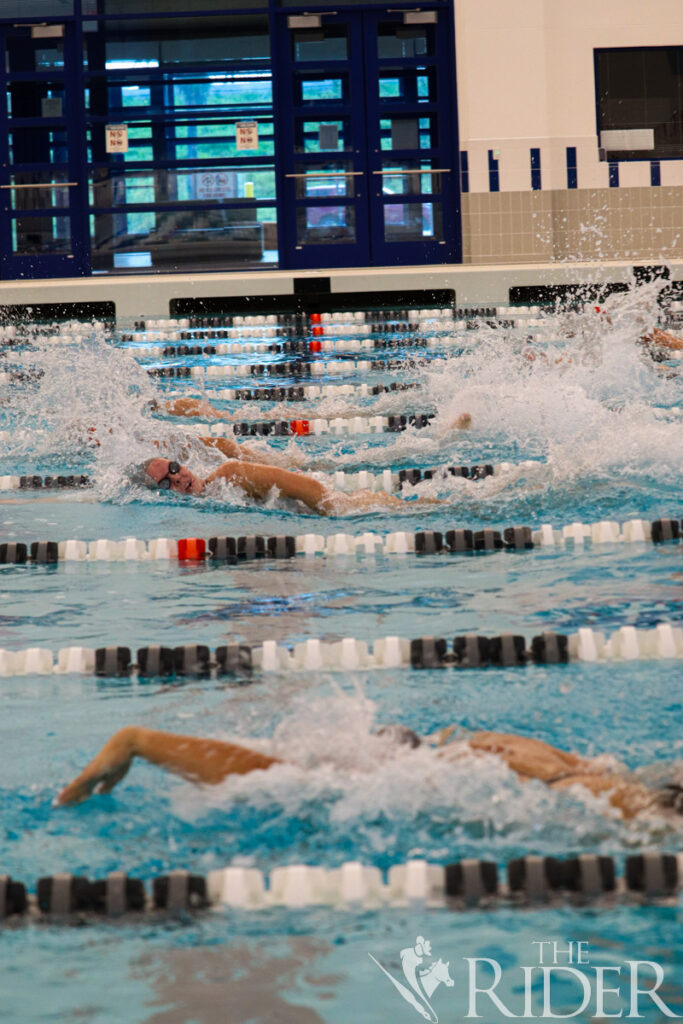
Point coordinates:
[(367, 139), (42, 201), (412, 138), (323, 182)]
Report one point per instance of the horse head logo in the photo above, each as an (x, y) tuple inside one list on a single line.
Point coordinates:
[(421, 981)]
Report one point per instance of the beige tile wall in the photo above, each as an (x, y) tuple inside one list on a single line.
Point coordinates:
[(572, 224)]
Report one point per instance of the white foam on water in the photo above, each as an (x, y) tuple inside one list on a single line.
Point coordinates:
[(337, 769), (591, 406)]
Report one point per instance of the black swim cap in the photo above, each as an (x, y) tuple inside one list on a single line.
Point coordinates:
[(400, 734), (671, 797)]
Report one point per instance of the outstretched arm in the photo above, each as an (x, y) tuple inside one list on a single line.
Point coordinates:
[(665, 339), (196, 407), (196, 759), (257, 480), (232, 450)]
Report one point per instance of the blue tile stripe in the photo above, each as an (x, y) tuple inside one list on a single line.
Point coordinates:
[(535, 169), (494, 175), (655, 172), (464, 171), (572, 169), (613, 174)]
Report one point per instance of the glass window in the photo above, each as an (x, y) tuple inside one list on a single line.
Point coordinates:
[(36, 99), (316, 90), (320, 44), (170, 42), (36, 8), (120, 186), (196, 236), (407, 85), (29, 195), (324, 180), (325, 225), (409, 177), (183, 119), (322, 136), (399, 40), (641, 90), (408, 132), (389, 87), (41, 235), (37, 145), (168, 6), (412, 222)]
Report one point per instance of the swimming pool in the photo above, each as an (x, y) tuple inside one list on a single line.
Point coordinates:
[(592, 438)]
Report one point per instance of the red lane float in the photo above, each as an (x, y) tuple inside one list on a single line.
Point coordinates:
[(191, 549)]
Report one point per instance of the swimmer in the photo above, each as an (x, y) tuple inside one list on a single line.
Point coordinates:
[(210, 761), (192, 407), (655, 341), (257, 481), (662, 339)]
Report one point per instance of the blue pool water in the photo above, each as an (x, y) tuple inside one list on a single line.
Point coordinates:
[(603, 430)]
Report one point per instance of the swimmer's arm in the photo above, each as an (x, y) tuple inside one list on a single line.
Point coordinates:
[(531, 758), (196, 407), (199, 760), (257, 479), (665, 339), (232, 450)]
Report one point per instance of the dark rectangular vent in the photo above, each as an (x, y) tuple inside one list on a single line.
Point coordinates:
[(45, 311), (312, 286), (314, 302), (568, 295)]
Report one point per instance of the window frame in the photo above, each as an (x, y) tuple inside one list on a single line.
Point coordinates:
[(633, 155)]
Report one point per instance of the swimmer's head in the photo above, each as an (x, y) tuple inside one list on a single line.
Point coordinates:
[(164, 475), (400, 734), (670, 798)]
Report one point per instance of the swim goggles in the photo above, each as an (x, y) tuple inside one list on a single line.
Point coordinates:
[(165, 484)]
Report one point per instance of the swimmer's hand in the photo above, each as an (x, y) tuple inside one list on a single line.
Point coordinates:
[(462, 422), (105, 770)]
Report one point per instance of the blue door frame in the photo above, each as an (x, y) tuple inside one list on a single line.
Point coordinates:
[(387, 192), (365, 176), (43, 187), (322, 216)]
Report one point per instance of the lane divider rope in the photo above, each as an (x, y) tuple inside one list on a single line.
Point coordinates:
[(458, 886), (241, 548), (664, 641), (303, 347), (299, 393), (35, 481), (299, 367), (337, 425)]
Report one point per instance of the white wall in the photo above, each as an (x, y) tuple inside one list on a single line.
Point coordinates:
[(525, 77)]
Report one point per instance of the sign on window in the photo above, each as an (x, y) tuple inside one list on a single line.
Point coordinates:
[(214, 184), (116, 138), (247, 134)]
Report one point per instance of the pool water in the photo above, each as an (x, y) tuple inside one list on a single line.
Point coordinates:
[(602, 430)]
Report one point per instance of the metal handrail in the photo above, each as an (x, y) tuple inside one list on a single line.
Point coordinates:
[(46, 184), (427, 170), (327, 174)]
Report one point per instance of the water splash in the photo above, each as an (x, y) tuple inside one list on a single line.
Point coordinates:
[(387, 801), (584, 400)]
